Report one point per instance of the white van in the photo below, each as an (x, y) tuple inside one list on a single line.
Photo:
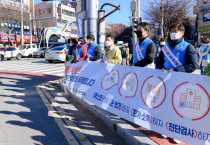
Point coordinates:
[(27, 50)]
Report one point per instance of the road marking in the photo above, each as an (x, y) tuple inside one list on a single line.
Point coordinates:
[(71, 132), (33, 66)]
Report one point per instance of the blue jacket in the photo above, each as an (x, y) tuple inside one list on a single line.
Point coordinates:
[(190, 58), (179, 51)]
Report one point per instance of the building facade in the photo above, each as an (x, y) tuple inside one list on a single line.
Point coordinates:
[(202, 9), (53, 16), (15, 6)]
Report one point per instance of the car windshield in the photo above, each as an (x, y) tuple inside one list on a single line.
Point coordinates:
[(23, 47), (58, 48), (1, 49)]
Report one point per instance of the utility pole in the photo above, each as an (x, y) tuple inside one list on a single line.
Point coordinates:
[(21, 11), (92, 15), (162, 18), (135, 19), (138, 14), (30, 29)]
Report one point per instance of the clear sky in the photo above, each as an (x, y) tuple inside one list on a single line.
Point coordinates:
[(121, 16)]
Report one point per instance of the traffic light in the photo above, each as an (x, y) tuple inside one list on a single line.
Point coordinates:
[(135, 24)]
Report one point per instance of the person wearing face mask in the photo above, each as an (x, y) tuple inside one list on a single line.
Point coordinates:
[(144, 51), (66, 51), (204, 53), (177, 54), (112, 52), (93, 50), (162, 43), (72, 50), (81, 51)]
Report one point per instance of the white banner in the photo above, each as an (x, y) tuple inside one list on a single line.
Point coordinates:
[(174, 104)]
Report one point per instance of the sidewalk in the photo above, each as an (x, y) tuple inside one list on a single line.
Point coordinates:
[(115, 123)]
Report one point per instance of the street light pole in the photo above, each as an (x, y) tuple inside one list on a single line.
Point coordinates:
[(21, 11), (30, 29), (162, 18), (135, 8), (138, 14), (92, 14)]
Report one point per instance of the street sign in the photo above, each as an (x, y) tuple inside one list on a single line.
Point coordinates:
[(157, 25)]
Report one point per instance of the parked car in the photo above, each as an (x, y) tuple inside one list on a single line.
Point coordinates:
[(27, 50), (40, 52), (55, 54), (9, 52)]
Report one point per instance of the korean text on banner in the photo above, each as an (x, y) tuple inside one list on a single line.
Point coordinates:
[(174, 104)]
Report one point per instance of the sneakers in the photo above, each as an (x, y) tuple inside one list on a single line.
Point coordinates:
[(176, 141)]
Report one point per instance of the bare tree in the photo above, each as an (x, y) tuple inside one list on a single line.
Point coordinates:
[(115, 29), (173, 10), (9, 15)]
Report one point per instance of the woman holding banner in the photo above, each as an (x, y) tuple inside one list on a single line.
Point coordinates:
[(72, 50), (81, 52)]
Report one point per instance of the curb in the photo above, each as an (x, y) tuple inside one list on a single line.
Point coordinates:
[(123, 129)]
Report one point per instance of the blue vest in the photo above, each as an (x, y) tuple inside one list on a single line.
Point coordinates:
[(143, 48), (91, 48), (206, 57), (179, 52), (79, 53)]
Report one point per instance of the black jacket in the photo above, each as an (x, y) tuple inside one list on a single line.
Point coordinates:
[(97, 51), (191, 58), (150, 55)]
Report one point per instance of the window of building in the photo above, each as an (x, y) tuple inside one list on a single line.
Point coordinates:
[(68, 13)]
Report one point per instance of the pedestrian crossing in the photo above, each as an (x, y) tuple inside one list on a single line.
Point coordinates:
[(38, 65), (33, 65)]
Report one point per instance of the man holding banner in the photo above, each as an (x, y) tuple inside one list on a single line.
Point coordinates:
[(93, 50), (177, 54), (144, 50), (112, 53)]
